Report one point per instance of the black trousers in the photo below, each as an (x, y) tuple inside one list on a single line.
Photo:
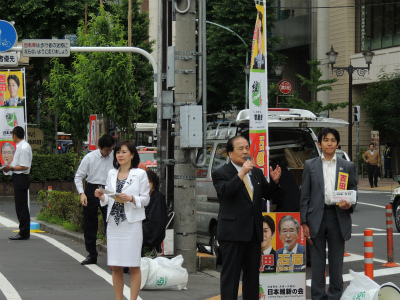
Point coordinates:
[(90, 219), (238, 256), (21, 184), (388, 168), (373, 171)]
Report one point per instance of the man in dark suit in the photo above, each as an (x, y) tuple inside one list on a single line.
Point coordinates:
[(323, 220), (240, 189), (293, 258), (268, 258)]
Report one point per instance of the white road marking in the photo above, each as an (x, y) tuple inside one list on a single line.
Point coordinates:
[(356, 257), (6, 286), (8, 290), (375, 234), (370, 204)]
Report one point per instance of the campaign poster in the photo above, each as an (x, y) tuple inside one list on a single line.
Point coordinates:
[(283, 258), (12, 111), (93, 132), (258, 95)]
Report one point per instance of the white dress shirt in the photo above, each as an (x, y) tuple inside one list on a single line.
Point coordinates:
[(238, 168), (94, 167), (329, 170), (22, 157)]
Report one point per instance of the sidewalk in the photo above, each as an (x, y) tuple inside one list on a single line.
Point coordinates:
[(384, 184)]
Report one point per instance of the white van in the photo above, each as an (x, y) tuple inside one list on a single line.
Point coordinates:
[(291, 142)]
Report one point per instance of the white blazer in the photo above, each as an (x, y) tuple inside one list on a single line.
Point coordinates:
[(137, 185)]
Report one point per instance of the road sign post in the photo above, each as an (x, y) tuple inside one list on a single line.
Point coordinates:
[(8, 36)]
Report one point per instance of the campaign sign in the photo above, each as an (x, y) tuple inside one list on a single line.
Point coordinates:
[(8, 36), (283, 258)]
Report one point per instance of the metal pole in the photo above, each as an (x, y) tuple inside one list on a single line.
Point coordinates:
[(350, 117)]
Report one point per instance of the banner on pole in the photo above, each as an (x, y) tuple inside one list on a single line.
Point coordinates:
[(12, 111), (258, 95)]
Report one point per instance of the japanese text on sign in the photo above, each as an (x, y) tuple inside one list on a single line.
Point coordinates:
[(45, 48)]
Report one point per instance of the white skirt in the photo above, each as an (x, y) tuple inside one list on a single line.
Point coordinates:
[(124, 243)]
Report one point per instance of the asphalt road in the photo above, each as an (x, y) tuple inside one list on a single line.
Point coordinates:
[(47, 266)]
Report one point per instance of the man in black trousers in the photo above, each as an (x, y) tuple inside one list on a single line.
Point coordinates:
[(240, 189), (94, 168), (21, 166)]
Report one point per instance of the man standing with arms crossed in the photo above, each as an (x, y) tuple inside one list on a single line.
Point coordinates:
[(240, 189), (94, 167), (323, 220), (21, 166)]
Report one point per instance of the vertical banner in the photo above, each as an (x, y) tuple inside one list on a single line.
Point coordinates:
[(92, 132), (12, 111), (283, 258), (258, 94)]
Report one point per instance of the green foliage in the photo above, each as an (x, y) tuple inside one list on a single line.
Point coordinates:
[(380, 105), (314, 84), (43, 19), (226, 53), (64, 209), (61, 207), (49, 167)]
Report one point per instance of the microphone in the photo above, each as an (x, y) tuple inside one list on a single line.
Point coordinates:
[(247, 157), (286, 248)]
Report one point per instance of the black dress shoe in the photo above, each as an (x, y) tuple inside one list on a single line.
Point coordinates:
[(90, 260), (18, 238)]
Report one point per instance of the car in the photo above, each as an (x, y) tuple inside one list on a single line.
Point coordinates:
[(342, 154), (291, 142), (395, 203), (148, 158)]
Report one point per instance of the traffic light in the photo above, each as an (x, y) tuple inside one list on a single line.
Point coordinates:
[(356, 113)]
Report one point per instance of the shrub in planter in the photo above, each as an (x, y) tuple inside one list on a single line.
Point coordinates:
[(64, 208), (50, 167)]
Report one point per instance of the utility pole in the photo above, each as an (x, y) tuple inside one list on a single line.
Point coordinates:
[(184, 172)]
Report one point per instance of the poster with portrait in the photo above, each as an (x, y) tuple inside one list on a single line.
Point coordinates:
[(258, 95), (283, 258), (12, 110)]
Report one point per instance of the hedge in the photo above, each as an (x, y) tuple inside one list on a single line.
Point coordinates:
[(51, 167)]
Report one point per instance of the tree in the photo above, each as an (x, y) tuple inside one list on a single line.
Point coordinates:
[(99, 82), (315, 84), (380, 104), (43, 19), (226, 53)]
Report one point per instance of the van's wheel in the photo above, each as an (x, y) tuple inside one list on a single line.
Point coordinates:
[(215, 250), (397, 215)]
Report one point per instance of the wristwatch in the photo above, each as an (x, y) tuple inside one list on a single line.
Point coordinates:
[(12, 169)]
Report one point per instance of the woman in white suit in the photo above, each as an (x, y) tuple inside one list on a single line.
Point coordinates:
[(124, 216)]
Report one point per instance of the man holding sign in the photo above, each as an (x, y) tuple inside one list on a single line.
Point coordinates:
[(324, 219)]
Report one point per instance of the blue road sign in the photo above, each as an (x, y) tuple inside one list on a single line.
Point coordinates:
[(8, 36)]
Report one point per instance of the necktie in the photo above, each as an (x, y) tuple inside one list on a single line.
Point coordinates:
[(246, 183)]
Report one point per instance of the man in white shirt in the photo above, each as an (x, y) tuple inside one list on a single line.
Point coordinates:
[(324, 221), (21, 166), (94, 167)]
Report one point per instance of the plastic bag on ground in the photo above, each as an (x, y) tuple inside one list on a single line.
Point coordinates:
[(360, 288), (163, 273)]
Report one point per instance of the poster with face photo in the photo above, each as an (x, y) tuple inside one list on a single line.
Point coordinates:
[(12, 111), (283, 255)]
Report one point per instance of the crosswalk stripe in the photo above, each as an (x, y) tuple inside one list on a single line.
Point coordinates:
[(356, 257)]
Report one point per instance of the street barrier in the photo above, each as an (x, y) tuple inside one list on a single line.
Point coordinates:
[(389, 234), (368, 253)]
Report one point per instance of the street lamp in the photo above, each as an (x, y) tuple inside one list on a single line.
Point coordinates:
[(350, 69)]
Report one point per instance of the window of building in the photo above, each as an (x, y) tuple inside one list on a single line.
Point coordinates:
[(378, 24)]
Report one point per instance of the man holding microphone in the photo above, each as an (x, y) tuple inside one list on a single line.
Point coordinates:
[(240, 189)]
